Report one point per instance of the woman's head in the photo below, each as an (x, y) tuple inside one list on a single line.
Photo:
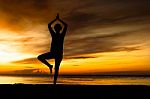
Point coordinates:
[(57, 27)]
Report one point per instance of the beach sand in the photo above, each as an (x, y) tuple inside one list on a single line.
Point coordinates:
[(74, 91)]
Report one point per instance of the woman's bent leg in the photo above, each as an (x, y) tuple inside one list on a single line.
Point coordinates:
[(43, 58)]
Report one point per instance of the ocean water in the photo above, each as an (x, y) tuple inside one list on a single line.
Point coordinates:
[(77, 80)]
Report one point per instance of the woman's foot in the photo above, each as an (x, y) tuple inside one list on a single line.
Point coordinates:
[(50, 67)]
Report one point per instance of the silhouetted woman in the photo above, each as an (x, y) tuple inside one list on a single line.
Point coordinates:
[(56, 51)]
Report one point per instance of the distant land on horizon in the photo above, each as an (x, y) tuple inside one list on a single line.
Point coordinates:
[(125, 73)]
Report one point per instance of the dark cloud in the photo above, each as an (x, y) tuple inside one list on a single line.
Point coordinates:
[(128, 49), (79, 14), (99, 12), (27, 61), (102, 43), (29, 67), (41, 5), (80, 57)]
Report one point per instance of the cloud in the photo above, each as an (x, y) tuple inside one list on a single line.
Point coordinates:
[(80, 57), (27, 61), (95, 26), (101, 43), (104, 13)]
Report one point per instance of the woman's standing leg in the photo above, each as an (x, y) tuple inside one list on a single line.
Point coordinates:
[(58, 60)]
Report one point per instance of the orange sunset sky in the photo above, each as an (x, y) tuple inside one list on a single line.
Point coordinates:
[(103, 37)]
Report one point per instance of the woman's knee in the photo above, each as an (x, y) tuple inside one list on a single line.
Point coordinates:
[(40, 57)]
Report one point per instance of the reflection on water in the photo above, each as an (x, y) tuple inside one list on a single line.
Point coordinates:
[(90, 80)]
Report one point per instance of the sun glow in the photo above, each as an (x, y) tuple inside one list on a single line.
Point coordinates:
[(9, 57), (9, 51)]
